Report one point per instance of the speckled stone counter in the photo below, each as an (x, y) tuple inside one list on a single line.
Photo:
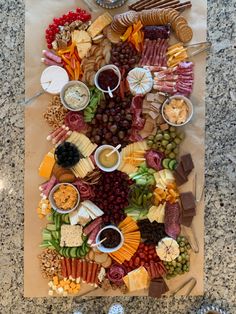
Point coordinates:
[(220, 212)]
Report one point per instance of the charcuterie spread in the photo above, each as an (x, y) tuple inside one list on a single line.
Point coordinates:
[(113, 215)]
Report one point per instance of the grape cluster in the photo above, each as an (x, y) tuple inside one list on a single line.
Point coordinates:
[(181, 264), (112, 121), (166, 141), (67, 155), (53, 29), (124, 55)]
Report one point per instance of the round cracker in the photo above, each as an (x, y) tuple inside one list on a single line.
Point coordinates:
[(185, 33), (112, 36)]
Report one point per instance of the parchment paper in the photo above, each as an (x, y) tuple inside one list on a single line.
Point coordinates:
[(38, 15)]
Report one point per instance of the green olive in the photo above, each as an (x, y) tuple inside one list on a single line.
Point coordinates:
[(158, 137), (172, 155), (166, 136), (176, 150), (169, 147), (173, 135), (149, 143), (181, 135), (161, 149), (151, 137), (172, 129), (155, 146)]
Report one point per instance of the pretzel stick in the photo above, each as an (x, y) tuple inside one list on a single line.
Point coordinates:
[(183, 6), (148, 2), (137, 3), (164, 5)]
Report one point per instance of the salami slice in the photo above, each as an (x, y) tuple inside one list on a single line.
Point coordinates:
[(172, 219)]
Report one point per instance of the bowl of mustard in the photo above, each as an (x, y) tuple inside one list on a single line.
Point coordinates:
[(104, 162)]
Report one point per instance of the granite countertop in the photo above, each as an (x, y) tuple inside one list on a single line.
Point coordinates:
[(220, 221)]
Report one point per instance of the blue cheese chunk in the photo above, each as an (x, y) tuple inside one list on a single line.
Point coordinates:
[(71, 235)]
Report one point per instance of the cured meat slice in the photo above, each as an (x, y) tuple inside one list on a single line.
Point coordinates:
[(172, 219), (154, 159), (75, 121)]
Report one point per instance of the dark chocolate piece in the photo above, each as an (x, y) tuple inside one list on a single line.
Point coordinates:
[(157, 287), (187, 200), (187, 163), (186, 221), (189, 212), (180, 175)]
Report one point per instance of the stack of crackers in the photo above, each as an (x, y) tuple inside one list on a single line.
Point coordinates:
[(154, 17)]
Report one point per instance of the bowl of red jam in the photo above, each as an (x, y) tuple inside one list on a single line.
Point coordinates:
[(114, 239), (108, 78)]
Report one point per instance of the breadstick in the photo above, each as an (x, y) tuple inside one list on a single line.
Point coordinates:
[(183, 6)]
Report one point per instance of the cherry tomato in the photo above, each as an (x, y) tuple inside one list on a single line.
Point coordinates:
[(137, 261)]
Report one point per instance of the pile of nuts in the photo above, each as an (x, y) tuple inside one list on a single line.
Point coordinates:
[(50, 263)]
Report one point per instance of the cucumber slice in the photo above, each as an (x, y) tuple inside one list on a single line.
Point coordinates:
[(78, 252), (66, 219), (165, 163), (73, 251), (87, 249), (82, 251), (84, 237), (64, 251), (58, 222), (51, 227), (68, 251), (55, 235), (172, 164)]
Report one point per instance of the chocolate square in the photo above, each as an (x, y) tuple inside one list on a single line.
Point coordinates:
[(189, 212), (187, 200), (187, 163), (187, 221), (157, 288), (180, 175)]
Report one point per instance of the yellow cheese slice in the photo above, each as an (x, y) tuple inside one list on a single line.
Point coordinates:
[(45, 168), (99, 24), (137, 279)]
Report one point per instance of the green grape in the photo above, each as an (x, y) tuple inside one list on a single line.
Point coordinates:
[(172, 129), (188, 264), (173, 145), (149, 143)]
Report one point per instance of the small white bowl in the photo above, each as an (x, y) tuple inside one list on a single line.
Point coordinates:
[(190, 107), (100, 166), (62, 95), (108, 67), (53, 204), (109, 250)]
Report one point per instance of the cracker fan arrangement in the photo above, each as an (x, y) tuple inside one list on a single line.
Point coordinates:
[(110, 196)]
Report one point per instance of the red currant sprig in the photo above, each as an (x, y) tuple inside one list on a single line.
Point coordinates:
[(70, 17)]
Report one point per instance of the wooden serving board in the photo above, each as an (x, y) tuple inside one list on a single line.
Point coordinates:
[(38, 15)]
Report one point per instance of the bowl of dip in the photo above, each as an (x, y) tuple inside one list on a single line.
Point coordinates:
[(107, 164), (108, 76), (177, 110), (64, 198), (114, 239), (75, 96), (53, 79)]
